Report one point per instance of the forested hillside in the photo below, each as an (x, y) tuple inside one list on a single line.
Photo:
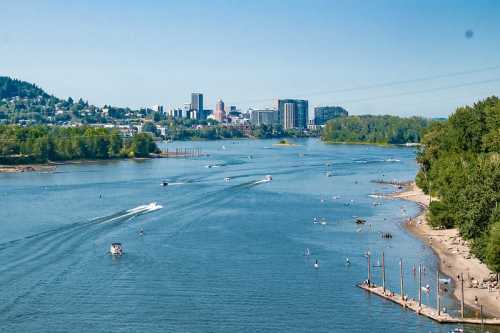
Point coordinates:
[(39, 144), (460, 165)]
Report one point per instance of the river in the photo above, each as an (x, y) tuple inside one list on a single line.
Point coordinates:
[(220, 256)]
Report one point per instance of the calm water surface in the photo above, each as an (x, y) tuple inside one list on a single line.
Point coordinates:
[(220, 256)]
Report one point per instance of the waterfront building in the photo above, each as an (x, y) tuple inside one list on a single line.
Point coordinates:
[(197, 110), (301, 112), (289, 113), (264, 117), (324, 113)]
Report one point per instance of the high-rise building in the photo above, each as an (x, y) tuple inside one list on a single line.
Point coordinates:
[(301, 112), (220, 113), (197, 105), (264, 117), (324, 113), (157, 108), (289, 115)]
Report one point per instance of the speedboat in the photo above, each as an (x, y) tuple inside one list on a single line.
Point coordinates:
[(316, 264), (227, 179), (164, 183), (116, 249), (268, 178), (360, 221)]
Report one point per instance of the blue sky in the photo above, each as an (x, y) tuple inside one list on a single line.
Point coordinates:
[(141, 53)]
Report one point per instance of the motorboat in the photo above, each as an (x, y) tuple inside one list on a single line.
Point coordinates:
[(116, 249), (164, 183), (268, 178), (227, 179), (316, 264), (360, 221)]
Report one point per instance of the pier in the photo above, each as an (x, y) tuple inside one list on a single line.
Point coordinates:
[(182, 153), (416, 306)]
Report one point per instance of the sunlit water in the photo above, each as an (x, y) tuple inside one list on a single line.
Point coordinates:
[(221, 256)]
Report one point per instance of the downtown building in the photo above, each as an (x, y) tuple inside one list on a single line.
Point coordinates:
[(324, 113), (220, 112), (197, 111), (293, 113), (266, 117)]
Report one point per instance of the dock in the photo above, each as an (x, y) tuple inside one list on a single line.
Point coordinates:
[(417, 306), (182, 153), (424, 310)]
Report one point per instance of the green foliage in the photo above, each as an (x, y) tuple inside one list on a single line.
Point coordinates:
[(492, 250), (440, 216), (38, 144), (375, 129), (15, 88), (460, 164)]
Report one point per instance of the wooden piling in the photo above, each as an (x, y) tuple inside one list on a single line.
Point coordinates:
[(437, 293), (369, 270), (383, 271), (462, 300), (419, 285), (401, 278), (482, 319)]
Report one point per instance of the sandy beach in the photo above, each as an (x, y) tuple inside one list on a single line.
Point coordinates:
[(454, 257), (27, 168)]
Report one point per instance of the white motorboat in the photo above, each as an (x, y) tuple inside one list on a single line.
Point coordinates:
[(268, 178), (227, 179), (164, 183), (316, 264), (116, 249)]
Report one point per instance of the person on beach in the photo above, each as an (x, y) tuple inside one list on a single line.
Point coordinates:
[(476, 300)]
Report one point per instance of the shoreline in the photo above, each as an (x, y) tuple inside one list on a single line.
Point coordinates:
[(454, 256), (51, 166)]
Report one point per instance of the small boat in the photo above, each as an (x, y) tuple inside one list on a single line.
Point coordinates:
[(227, 179), (141, 232), (329, 174), (347, 261), (323, 222), (116, 249), (307, 253), (164, 183), (360, 221), (316, 264), (268, 178), (445, 281)]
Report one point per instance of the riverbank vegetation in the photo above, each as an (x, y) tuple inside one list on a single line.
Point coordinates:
[(40, 144), (460, 165), (375, 129)]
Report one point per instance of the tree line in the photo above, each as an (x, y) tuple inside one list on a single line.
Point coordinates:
[(460, 165), (39, 144), (375, 129)]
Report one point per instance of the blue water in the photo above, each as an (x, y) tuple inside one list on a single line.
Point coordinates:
[(220, 256)]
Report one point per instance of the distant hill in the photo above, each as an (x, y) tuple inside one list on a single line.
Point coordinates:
[(11, 88)]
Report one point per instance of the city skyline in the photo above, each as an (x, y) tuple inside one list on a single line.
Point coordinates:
[(369, 58)]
